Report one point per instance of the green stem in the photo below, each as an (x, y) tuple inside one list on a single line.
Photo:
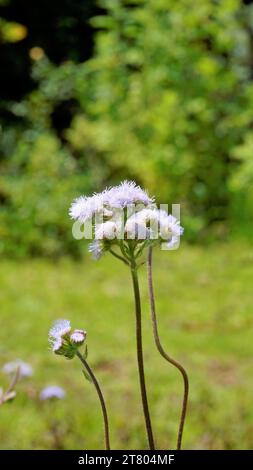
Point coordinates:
[(101, 398), (140, 356), (118, 257), (163, 353)]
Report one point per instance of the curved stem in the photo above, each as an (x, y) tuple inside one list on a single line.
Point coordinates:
[(118, 257), (101, 398), (140, 356), (162, 351)]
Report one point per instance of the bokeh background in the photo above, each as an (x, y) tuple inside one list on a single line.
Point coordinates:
[(92, 93)]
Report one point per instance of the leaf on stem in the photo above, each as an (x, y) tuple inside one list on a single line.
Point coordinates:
[(86, 375)]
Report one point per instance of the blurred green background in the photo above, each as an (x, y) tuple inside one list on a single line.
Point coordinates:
[(162, 93)]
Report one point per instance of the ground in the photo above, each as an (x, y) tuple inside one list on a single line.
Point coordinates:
[(204, 304)]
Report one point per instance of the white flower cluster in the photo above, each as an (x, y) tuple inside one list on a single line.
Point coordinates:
[(127, 193), (125, 212), (65, 341)]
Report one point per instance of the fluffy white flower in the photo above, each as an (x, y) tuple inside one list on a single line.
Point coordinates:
[(127, 193), (57, 345), (84, 207), (77, 207), (148, 215), (96, 249), (169, 225), (25, 370), (136, 229), (108, 211), (59, 329), (153, 224), (143, 224)]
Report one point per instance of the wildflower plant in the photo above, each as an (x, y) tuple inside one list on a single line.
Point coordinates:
[(125, 222), (67, 342)]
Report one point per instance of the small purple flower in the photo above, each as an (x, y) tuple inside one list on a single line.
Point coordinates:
[(51, 392)]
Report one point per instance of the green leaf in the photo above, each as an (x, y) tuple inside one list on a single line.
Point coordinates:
[(86, 375)]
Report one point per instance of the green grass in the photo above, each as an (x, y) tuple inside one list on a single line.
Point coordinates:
[(204, 303)]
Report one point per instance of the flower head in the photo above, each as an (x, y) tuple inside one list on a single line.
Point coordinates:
[(57, 345), (85, 207), (108, 230), (78, 336), (128, 193), (59, 329), (63, 340), (122, 215), (169, 225), (25, 370), (154, 224), (143, 225), (52, 391)]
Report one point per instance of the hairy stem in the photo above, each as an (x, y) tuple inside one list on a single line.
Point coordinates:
[(140, 356), (101, 398), (162, 351)]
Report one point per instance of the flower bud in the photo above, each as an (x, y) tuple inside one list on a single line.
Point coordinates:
[(78, 337)]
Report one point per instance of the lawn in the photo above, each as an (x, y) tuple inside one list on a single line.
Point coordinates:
[(204, 303)]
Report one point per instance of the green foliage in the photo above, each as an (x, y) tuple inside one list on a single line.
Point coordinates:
[(241, 185), (166, 99), (40, 176), (38, 184)]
